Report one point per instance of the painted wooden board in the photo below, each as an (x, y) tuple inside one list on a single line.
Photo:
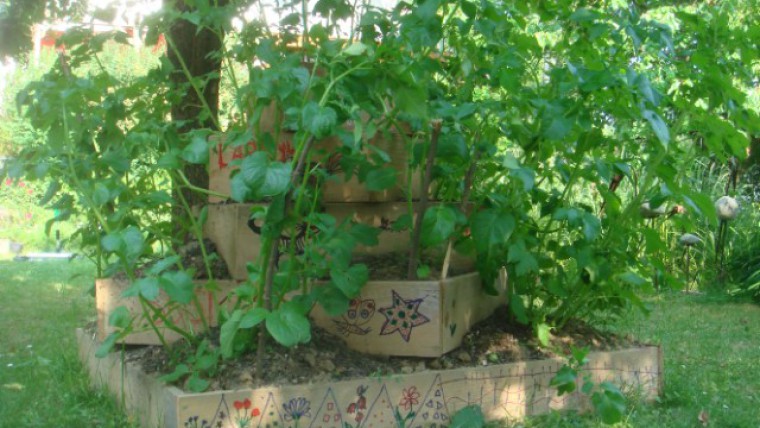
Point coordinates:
[(236, 243), (427, 399), (222, 163), (108, 297), (412, 318)]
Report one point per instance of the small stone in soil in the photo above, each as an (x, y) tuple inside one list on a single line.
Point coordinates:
[(464, 357), (327, 365), (310, 359)]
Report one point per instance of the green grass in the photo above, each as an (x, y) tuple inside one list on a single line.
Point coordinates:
[(711, 345), (42, 383)]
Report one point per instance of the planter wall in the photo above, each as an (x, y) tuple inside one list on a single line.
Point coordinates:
[(413, 318), (336, 189), (512, 390), (236, 243), (108, 297)]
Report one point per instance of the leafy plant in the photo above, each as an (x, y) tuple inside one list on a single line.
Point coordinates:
[(608, 401)]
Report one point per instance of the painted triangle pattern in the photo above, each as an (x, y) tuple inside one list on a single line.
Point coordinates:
[(432, 411), (380, 413), (270, 414), (328, 415)]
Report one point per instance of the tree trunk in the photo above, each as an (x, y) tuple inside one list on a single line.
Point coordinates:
[(196, 49)]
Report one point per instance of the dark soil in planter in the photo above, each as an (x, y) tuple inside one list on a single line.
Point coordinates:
[(496, 340), (393, 266)]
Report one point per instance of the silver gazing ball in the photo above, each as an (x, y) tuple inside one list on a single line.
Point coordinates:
[(727, 208), (689, 239)]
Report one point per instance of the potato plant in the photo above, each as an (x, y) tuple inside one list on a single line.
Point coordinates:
[(573, 114)]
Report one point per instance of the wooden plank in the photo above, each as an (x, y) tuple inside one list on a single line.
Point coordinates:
[(108, 297), (390, 318), (512, 391), (464, 304), (427, 398), (227, 227), (147, 399), (444, 312)]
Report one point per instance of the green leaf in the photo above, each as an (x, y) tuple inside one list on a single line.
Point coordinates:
[(559, 127), (542, 333), (334, 302), (179, 372), (633, 279), (253, 318), (119, 317), (276, 179), (355, 49), (525, 260), (609, 404), (659, 126), (228, 331), (100, 194), (253, 169), (163, 264), (381, 179), (319, 120), (178, 286), (239, 190), (197, 384), (564, 380), (197, 151), (112, 242), (517, 306), (468, 417), (133, 242), (107, 345), (592, 226), (148, 288), (438, 225), (288, 327), (423, 271), (365, 234), (491, 228), (350, 281)]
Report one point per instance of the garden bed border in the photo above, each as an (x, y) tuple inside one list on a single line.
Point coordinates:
[(512, 390)]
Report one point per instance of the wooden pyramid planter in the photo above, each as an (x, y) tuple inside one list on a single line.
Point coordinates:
[(428, 398)]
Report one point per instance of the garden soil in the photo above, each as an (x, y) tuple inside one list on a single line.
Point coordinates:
[(495, 340)]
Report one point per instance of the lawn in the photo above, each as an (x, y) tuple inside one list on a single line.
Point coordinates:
[(711, 345), (42, 383)]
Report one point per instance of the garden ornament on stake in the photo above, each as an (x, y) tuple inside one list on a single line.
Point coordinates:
[(726, 208), (688, 240)]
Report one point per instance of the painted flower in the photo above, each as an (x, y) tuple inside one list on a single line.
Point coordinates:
[(296, 408), (240, 405), (409, 398), (243, 418)]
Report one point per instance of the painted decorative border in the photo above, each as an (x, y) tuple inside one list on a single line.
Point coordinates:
[(425, 399)]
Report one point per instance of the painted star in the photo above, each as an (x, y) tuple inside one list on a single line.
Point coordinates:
[(402, 316)]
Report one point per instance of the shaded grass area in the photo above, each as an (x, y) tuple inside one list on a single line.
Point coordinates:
[(711, 345), (42, 382)]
